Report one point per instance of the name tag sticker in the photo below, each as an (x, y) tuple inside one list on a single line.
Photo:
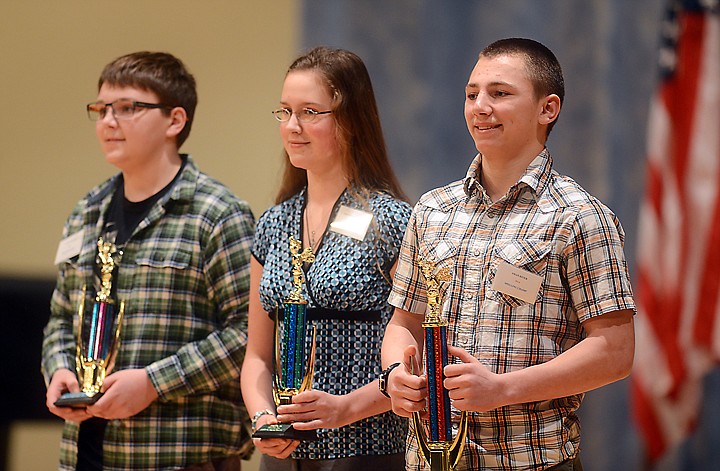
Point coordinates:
[(351, 222), (69, 247), (517, 282)]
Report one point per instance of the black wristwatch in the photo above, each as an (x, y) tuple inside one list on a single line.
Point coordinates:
[(383, 380)]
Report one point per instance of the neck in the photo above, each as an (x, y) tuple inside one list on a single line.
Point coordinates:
[(324, 190), (322, 193), (142, 183), (499, 174)]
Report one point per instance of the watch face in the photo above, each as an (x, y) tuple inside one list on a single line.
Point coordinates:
[(383, 387)]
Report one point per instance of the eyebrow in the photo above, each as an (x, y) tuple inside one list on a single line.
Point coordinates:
[(497, 83), (97, 102), (304, 105)]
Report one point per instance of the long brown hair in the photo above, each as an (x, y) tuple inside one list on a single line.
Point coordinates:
[(358, 126)]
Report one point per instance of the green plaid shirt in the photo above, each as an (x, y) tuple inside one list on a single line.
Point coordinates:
[(185, 281)]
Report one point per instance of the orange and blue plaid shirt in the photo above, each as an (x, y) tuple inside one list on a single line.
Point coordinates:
[(547, 225)]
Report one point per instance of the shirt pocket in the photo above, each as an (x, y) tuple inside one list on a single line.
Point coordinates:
[(176, 257), (530, 255), (443, 254), (159, 282)]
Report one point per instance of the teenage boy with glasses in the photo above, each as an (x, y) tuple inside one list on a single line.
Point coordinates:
[(173, 399)]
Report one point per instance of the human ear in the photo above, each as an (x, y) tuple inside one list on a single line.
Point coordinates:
[(178, 119), (550, 109)]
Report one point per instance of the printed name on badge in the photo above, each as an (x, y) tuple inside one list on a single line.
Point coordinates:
[(351, 222), (69, 247), (517, 282)]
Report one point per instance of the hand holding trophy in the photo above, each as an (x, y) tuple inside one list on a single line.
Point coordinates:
[(440, 450), (97, 337), (294, 369)]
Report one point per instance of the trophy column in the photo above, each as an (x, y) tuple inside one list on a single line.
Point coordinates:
[(294, 368), (97, 338), (439, 449)]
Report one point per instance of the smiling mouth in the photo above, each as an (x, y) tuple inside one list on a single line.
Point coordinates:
[(487, 127)]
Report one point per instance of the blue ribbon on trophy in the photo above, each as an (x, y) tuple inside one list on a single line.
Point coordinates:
[(294, 367), (439, 449), (97, 335)]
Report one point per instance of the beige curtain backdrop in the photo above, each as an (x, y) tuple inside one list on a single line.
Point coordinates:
[(51, 54)]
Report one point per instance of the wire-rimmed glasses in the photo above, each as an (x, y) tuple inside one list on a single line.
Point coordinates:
[(121, 109), (304, 115)]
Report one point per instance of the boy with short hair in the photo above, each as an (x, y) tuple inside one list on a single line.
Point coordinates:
[(173, 399), (539, 304)]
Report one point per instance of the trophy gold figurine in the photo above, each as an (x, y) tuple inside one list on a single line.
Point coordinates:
[(97, 337), (439, 449), (294, 368)]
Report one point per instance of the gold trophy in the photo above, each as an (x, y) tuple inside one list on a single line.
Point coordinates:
[(97, 337), (294, 369), (439, 450)]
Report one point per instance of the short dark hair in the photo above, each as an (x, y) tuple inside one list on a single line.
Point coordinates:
[(359, 132), (542, 66), (157, 72)]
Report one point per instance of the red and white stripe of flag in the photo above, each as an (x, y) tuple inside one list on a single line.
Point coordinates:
[(678, 264)]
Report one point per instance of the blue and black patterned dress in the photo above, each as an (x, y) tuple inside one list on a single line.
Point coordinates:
[(349, 282)]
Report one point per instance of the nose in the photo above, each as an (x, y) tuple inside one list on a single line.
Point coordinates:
[(109, 115), (481, 104), (293, 124)]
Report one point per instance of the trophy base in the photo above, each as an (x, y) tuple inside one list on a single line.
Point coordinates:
[(78, 400), (285, 431)]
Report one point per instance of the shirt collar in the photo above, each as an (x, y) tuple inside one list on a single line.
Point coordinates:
[(183, 189), (471, 184), (185, 186), (536, 176)]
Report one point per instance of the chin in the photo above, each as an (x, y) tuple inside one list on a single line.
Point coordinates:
[(115, 160), (298, 162)]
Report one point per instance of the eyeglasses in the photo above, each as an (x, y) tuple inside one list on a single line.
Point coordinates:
[(305, 115), (121, 109)]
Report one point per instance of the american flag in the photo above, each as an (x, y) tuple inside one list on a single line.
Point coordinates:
[(678, 263)]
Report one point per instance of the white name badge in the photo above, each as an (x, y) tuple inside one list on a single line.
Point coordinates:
[(351, 222), (69, 247), (517, 282)]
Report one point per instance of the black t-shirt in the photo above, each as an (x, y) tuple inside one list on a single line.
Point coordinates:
[(125, 215)]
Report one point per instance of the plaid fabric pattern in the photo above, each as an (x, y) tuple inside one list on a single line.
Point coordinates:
[(547, 225), (184, 278)]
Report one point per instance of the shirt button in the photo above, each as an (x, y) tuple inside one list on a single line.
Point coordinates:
[(477, 252)]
